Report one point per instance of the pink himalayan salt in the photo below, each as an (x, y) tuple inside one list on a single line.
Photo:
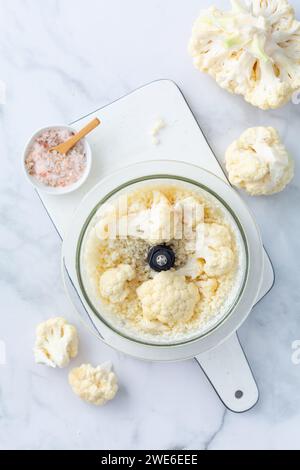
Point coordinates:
[(52, 168)]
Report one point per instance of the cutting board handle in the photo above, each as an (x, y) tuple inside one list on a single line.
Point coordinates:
[(227, 369)]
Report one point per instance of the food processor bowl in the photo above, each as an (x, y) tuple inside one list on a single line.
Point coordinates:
[(191, 177)]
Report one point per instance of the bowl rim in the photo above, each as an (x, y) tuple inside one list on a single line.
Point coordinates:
[(48, 189)]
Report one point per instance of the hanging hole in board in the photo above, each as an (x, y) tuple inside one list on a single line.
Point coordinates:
[(239, 394)]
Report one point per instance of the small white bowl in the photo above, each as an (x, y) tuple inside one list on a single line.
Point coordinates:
[(48, 189)]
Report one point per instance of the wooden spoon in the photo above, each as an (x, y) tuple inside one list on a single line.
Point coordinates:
[(68, 144)]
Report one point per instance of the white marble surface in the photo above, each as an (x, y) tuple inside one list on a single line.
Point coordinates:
[(61, 59)]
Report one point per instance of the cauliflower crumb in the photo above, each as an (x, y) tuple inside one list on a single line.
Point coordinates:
[(251, 50), (56, 343), (259, 163), (190, 210), (168, 298), (158, 126), (113, 283), (94, 385)]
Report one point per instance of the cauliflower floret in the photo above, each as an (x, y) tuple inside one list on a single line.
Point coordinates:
[(258, 162), (94, 385), (157, 224), (210, 252), (105, 228), (213, 245), (56, 343), (113, 283), (252, 50), (168, 298), (208, 287), (2, 92)]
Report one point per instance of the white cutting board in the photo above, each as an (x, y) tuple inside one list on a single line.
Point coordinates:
[(125, 137)]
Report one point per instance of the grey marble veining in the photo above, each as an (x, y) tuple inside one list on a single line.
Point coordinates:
[(60, 60)]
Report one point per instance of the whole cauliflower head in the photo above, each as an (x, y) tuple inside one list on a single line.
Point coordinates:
[(214, 247), (113, 283), (56, 343), (258, 162), (94, 385), (252, 50), (168, 298)]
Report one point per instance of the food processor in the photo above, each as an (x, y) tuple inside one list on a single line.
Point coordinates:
[(169, 171)]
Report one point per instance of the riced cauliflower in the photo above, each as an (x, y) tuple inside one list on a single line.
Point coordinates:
[(56, 343), (113, 283), (94, 385), (251, 50), (258, 162), (168, 298)]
